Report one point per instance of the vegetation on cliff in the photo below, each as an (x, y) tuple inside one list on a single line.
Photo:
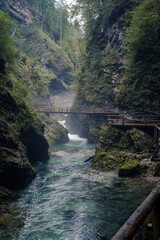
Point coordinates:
[(140, 86), (121, 64), (43, 64)]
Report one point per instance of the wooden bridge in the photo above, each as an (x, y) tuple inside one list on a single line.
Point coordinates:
[(73, 110), (113, 117)]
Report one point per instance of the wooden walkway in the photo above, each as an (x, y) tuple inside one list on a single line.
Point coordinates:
[(113, 117), (135, 121), (72, 110)]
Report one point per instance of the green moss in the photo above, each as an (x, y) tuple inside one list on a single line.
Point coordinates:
[(110, 160), (129, 169)]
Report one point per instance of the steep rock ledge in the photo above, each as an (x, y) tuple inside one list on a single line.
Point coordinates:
[(27, 126), (15, 168)]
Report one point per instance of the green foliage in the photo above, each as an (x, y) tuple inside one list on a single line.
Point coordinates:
[(50, 13), (95, 77), (41, 61), (7, 43), (94, 85), (141, 84)]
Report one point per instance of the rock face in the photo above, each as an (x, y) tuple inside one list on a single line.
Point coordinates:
[(103, 64), (124, 150), (55, 133), (15, 168), (28, 128), (20, 12), (21, 140)]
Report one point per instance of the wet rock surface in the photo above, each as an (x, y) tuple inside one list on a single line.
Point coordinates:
[(125, 150), (15, 168), (55, 133)]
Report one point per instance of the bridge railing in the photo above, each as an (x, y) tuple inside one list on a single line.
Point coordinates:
[(53, 109), (132, 225), (138, 120)]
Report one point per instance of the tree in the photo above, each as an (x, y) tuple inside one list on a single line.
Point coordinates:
[(7, 48)]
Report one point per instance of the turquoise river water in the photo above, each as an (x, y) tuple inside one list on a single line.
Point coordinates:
[(70, 201)]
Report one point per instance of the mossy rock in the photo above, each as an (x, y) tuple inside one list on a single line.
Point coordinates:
[(94, 135), (110, 160), (55, 133), (130, 169), (141, 139), (15, 168), (114, 137), (155, 169)]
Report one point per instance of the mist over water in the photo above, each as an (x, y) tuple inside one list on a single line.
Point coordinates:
[(73, 137), (70, 201)]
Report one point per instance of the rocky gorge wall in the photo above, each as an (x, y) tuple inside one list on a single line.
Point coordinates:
[(102, 66)]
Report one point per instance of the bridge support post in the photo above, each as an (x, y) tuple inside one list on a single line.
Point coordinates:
[(123, 121)]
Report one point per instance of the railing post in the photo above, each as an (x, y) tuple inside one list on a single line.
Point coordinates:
[(144, 121), (123, 121)]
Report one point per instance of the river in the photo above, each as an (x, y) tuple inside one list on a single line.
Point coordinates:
[(70, 201)]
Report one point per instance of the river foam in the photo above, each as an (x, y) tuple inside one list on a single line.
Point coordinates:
[(73, 137)]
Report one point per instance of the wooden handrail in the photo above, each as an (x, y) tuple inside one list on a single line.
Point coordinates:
[(132, 225)]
